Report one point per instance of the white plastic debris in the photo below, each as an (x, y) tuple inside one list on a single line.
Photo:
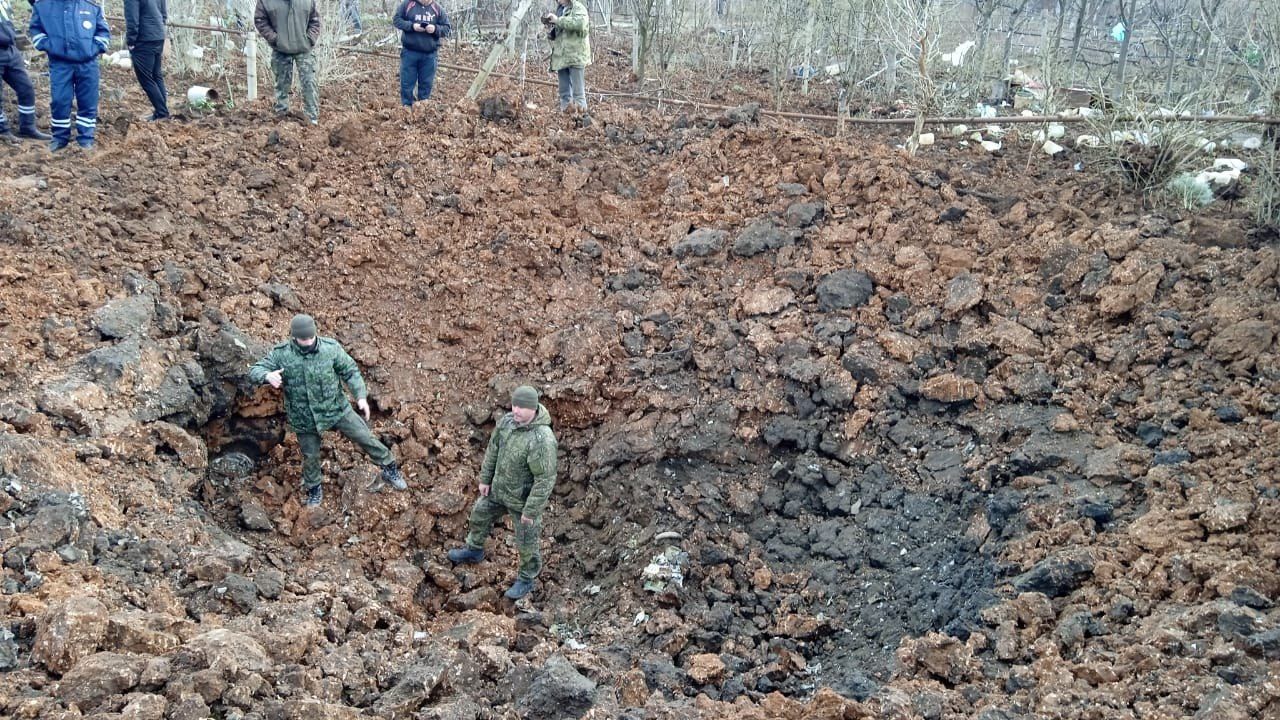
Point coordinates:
[(1052, 148), (1057, 131), (985, 111), (1092, 141), (196, 52), (1251, 143), (833, 69), (1230, 164), (665, 571), (996, 131), (640, 619), (926, 139), (959, 130), (419, 635), (976, 137), (574, 644), (956, 57), (592, 590), (990, 146), (121, 59)]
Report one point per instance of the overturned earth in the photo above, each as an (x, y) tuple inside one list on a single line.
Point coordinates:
[(843, 434)]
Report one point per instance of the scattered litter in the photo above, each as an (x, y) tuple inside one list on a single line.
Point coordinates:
[(120, 59), (959, 130), (420, 635), (640, 619), (1251, 143), (1091, 141), (667, 535), (990, 146), (574, 644), (665, 571), (926, 139), (593, 590), (1052, 148), (956, 57)]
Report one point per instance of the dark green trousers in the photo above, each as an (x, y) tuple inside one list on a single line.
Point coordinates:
[(354, 427), (485, 513)]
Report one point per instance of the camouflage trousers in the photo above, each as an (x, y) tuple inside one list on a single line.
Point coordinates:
[(282, 65), (354, 427), (485, 513)]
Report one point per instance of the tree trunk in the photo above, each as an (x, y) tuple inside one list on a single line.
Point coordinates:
[(808, 45), (1125, 11), (500, 49), (1076, 38)]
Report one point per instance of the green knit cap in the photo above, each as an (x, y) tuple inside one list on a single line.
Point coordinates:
[(525, 397), (302, 327)]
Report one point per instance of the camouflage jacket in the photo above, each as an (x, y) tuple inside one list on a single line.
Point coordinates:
[(313, 397), (572, 44), (520, 463)]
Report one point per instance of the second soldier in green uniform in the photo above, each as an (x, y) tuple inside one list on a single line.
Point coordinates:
[(517, 477)]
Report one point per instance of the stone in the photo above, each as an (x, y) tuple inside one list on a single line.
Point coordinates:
[(253, 516), (705, 668), (963, 292), (8, 650), (56, 522), (270, 583), (949, 388), (767, 301), (125, 317), (1264, 644), (415, 686), (74, 401), (192, 451), (136, 631), (1244, 340), (1104, 466), (742, 114), (558, 691), (99, 676), (1227, 515), (633, 691), (68, 631), (758, 237), (701, 243), (144, 706), (844, 289), (1056, 576), (804, 214), (228, 650)]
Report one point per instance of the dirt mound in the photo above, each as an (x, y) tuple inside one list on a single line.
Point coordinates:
[(843, 434)]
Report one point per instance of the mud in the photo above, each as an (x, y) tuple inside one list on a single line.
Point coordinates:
[(933, 437)]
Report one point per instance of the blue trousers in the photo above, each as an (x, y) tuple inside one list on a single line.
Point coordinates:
[(73, 81), (14, 73), (416, 68)]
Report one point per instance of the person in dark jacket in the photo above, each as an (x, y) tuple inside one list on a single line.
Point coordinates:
[(291, 28), (144, 33), (73, 33), (13, 70), (422, 26)]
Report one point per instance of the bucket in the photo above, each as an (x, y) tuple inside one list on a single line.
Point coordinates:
[(199, 94)]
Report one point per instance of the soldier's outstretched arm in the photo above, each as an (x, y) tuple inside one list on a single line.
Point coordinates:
[(347, 370), (542, 463), (258, 371)]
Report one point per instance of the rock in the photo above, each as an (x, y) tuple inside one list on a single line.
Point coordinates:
[(705, 668), (963, 292), (701, 243), (136, 631), (949, 388), (804, 214), (108, 365), (74, 401), (844, 289), (56, 522), (1229, 414), (481, 597), (1226, 515), (1264, 644), (97, 677), (1245, 340), (633, 691), (270, 583), (191, 450), (1104, 466), (758, 237), (767, 301), (230, 651), (1241, 595), (792, 189), (189, 707), (282, 295), (740, 115), (124, 317), (253, 516), (8, 650), (144, 706), (558, 691), (239, 590), (68, 631), (1177, 456), (1057, 575), (414, 688)]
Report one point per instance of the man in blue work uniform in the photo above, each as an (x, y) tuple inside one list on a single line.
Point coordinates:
[(73, 33), (13, 70)]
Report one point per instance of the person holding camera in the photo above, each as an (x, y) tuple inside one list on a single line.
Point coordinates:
[(569, 33), (422, 26)]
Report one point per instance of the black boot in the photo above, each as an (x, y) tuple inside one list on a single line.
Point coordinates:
[(8, 137), (27, 128)]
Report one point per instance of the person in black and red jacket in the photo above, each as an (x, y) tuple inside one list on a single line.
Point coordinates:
[(422, 24)]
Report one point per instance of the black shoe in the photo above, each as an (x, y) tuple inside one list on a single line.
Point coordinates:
[(34, 134), (465, 556), (392, 475), (56, 145), (519, 589), (315, 496)]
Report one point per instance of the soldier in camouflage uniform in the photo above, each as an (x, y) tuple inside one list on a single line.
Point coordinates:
[(518, 474), (291, 28), (312, 369)]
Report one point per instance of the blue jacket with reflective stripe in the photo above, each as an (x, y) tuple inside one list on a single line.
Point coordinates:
[(69, 30)]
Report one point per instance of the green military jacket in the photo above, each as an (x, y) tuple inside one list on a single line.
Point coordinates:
[(313, 397), (520, 464), (572, 46)]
